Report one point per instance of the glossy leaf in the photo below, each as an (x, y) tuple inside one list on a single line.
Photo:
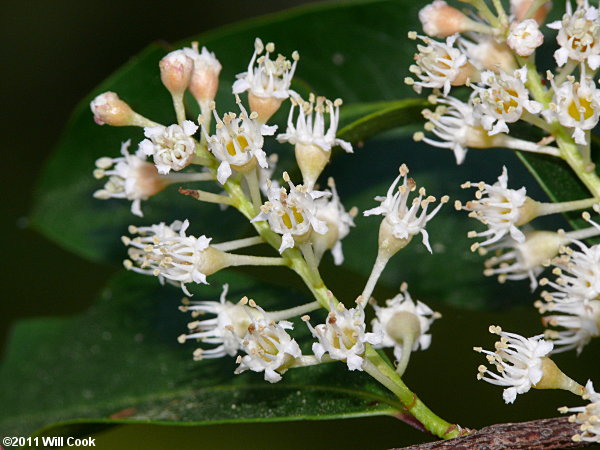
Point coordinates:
[(120, 362), (339, 58)]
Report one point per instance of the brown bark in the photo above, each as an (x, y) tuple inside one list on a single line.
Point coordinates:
[(539, 434)]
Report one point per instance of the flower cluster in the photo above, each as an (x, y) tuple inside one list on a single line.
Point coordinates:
[(573, 303), (492, 56), (299, 220), (587, 416), (492, 53)]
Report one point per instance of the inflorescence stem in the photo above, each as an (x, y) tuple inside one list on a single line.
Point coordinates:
[(375, 365)]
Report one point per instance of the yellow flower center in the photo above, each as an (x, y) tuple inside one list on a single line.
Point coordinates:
[(299, 218), (243, 143), (585, 109)]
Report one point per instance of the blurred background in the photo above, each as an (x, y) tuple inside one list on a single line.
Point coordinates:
[(53, 54)]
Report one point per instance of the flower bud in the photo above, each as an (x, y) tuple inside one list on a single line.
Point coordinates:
[(176, 71), (520, 8), (492, 55), (441, 20), (110, 109), (205, 76)]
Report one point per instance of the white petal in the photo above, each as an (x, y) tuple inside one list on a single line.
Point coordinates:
[(287, 241), (354, 362), (240, 85), (136, 208), (223, 172), (561, 56), (189, 127), (509, 395)]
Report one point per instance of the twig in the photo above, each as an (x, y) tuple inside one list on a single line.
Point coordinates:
[(539, 434)]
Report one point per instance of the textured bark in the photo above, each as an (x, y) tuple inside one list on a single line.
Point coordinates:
[(540, 434)]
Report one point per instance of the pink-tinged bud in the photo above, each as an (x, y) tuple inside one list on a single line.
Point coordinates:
[(110, 109), (205, 76), (149, 181), (176, 71), (520, 8), (492, 55), (441, 20)]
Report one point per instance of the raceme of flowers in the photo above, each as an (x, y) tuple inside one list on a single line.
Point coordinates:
[(481, 68), (299, 220)]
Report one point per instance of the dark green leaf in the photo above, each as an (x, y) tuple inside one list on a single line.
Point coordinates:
[(369, 119), (120, 362)]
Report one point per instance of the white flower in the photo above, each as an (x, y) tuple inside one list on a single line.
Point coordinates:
[(171, 147), (205, 75), (497, 207), (578, 35), (269, 348), (438, 65), (518, 360), (502, 98), (578, 273), (522, 260), (309, 128), (578, 323), (524, 37), (392, 321), (130, 177), (331, 211), (223, 331), (238, 142), (405, 221), (455, 125), (173, 256), (343, 335), (312, 141), (587, 416), (577, 105), (293, 214), (270, 78)]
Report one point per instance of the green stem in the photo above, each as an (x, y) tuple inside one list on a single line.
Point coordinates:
[(238, 243), (485, 11), (254, 188), (250, 260), (534, 81), (376, 367), (536, 121), (296, 311), (573, 157), (566, 70), (179, 108), (501, 13), (568, 149)]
